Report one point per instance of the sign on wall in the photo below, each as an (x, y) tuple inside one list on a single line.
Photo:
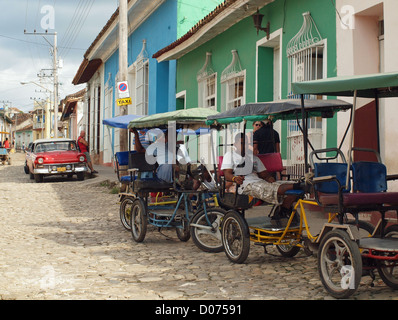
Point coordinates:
[(123, 89), (124, 94), (123, 102)]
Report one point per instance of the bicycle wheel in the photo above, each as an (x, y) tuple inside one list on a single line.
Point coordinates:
[(235, 237), (183, 231), (125, 212), (208, 237), (287, 250), (138, 220), (365, 228), (388, 269), (339, 264)]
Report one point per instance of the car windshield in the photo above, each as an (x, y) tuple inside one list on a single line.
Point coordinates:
[(56, 146)]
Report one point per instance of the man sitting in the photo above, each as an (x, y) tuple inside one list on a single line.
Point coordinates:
[(246, 170)]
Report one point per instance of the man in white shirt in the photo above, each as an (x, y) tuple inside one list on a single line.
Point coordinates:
[(242, 167), (164, 154)]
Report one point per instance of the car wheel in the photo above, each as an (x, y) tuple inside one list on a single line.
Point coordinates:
[(80, 176), (38, 178)]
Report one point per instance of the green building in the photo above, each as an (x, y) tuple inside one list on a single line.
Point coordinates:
[(225, 61)]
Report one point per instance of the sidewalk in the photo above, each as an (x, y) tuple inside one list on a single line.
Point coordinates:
[(105, 174)]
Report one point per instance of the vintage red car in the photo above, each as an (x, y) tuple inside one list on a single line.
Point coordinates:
[(55, 157)]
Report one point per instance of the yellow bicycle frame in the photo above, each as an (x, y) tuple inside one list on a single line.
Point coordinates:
[(290, 236)]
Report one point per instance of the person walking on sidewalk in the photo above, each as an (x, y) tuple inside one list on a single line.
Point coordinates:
[(83, 146)]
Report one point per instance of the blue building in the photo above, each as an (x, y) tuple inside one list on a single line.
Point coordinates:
[(152, 25)]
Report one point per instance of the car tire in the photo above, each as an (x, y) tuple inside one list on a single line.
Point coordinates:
[(80, 176), (38, 178)]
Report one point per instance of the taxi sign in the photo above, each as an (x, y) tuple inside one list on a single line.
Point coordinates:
[(123, 102)]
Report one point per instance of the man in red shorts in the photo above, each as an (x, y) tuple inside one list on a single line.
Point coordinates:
[(83, 145)]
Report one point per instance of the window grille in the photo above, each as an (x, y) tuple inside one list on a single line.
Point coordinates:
[(207, 84), (141, 81), (233, 84), (305, 54)]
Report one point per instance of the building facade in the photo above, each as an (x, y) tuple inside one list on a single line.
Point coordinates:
[(152, 25), (24, 130), (366, 36), (42, 119), (72, 114), (5, 124), (227, 63)]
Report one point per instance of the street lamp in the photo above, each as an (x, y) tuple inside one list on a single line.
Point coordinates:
[(257, 19)]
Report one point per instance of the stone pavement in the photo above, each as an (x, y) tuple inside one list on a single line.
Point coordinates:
[(105, 174), (62, 239)]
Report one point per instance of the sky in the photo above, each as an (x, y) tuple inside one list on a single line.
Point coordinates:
[(22, 56)]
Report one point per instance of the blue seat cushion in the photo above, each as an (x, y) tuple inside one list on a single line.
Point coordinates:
[(125, 179), (369, 176), (297, 193), (123, 158), (335, 169)]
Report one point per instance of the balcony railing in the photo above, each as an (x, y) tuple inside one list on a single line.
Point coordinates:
[(38, 125)]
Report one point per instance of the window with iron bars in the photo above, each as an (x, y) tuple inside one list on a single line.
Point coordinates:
[(304, 65)]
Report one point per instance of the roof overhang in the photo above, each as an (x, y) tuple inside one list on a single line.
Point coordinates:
[(68, 110), (86, 71), (220, 19), (5, 117), (106, 42), (70, 103)]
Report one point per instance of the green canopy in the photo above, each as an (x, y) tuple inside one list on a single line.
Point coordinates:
[(367, 86), (289, 109), (183, 118)]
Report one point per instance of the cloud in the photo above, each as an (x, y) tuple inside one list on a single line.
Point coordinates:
[(22, 56)]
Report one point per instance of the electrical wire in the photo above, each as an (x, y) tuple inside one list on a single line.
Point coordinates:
[(67, 33), (38, 44), (77, 27)]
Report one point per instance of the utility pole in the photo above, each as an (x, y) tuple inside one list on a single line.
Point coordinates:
[(123, 33), (55, 64), (55, 73)]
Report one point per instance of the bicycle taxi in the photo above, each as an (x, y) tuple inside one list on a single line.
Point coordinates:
[(369, 193), (190, 211), (340, 242)]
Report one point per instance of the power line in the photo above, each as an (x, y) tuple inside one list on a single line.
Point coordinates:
[(38, 44), (78, 26), (65, 37)]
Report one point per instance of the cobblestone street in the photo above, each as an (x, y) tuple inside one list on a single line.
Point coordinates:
[(62, 239)]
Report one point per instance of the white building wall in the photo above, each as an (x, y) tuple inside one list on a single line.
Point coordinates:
[(358, 53)]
